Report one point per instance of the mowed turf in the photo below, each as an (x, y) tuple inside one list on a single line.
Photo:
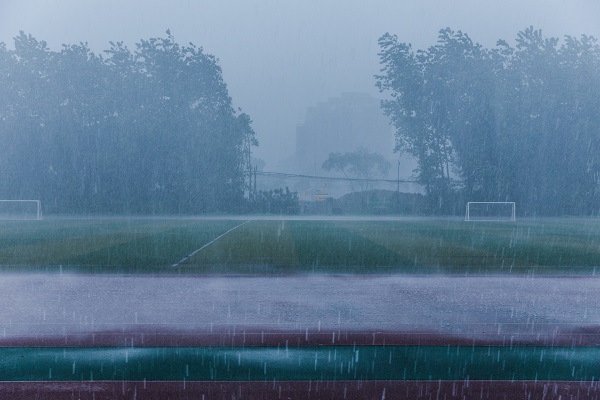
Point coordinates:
[(569, 246), (103, 245), (557, 246)]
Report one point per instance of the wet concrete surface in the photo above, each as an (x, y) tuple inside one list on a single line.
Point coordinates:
[(310, 312), (71, 309)]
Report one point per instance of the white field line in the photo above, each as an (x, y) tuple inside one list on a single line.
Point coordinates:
[(184, 259)]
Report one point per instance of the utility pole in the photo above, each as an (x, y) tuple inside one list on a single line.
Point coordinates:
[(255, 171), (249, 181), (398, 189)]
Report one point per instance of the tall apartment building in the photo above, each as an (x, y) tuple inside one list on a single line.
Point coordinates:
[(342, 124)]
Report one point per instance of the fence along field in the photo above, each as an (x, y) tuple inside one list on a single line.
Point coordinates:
[(188, 246)]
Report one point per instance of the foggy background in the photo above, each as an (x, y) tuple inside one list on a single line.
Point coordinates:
[(281, 57)]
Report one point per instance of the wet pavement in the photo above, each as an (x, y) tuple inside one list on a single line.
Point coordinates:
[(41, 309), (297, 337)]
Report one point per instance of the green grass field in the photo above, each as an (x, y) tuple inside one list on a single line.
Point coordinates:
[(300, 246)]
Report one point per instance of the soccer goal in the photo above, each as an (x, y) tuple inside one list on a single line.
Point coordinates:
[(20, 210), (490, 211)]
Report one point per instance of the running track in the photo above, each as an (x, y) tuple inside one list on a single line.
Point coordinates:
[(313, 336)]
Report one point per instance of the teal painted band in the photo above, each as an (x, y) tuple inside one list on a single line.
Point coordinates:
[(300, 363)]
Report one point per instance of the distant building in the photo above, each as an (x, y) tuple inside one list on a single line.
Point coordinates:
[(342, 124)]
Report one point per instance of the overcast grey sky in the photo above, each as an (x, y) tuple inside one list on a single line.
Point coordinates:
[(281, 56)]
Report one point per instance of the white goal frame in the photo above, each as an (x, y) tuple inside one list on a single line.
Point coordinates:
[(513, 216), (37, 205)]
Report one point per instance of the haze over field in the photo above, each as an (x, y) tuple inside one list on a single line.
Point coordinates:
[(135, 127), (280, 57)]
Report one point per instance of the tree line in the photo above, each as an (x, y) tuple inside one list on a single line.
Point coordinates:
[(502, 124), (146, 131)]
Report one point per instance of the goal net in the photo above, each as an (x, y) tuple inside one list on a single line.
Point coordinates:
[(20, 210), (490, 211)]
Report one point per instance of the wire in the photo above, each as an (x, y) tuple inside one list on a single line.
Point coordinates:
[(330, 178)]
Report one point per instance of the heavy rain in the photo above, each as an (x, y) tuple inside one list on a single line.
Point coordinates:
[(297, 199)]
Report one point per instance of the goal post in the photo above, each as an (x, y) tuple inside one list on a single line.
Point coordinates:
[(490, 211), (20, 210)]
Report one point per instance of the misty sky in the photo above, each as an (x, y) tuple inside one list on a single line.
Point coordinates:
[(281, 56)]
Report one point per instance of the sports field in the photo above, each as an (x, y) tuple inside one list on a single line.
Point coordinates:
[(270, 308), (273, 246)]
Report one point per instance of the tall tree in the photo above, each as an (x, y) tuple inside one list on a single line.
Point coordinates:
[(150, 131), (359, 165), (501, 124)]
